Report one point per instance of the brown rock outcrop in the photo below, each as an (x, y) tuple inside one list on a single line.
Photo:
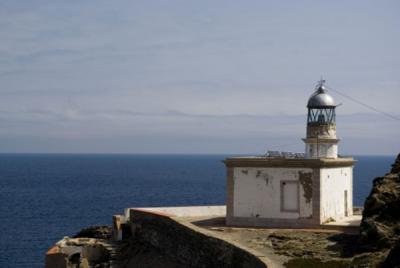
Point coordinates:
[(380, 226), (393, 258), (99, 232)]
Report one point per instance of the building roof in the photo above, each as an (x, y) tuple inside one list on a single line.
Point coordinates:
[(321, 99), (263, 161)]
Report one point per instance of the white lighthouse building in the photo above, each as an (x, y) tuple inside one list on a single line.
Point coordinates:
[(294, 190)]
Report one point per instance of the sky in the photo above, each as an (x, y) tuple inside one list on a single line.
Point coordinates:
[(195, 76)]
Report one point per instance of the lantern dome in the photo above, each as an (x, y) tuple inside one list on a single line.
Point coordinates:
[(321, 99)]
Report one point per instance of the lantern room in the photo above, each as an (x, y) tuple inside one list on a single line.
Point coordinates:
[(321, 107)]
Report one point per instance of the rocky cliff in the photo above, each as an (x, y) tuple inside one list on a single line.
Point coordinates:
[(380, 225)]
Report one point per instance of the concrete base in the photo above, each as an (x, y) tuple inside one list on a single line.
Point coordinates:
[(270, 223), (351, 223)]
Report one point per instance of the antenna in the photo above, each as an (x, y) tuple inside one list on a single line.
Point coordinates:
[(320, 83)]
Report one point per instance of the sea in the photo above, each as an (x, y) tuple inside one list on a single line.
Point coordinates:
[(44, 197)]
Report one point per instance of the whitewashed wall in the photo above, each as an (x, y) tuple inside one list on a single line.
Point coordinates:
[(257, 193), (334, 181), (327, 150)]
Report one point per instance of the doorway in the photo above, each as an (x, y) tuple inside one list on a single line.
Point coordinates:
[(290, 196)]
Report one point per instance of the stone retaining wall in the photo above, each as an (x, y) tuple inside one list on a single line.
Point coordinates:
[(185, 244)]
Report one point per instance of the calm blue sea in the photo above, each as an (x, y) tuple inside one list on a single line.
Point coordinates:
[(44, 197)]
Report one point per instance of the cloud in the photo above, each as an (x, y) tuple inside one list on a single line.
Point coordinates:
[(174, 76), (175, 132)]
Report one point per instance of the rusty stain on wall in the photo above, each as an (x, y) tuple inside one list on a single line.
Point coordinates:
[(305, 179), (267, 178)]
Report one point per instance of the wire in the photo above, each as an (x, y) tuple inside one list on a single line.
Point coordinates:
[(364, 104)]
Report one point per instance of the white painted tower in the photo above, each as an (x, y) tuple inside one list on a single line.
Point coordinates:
[(321, 141)]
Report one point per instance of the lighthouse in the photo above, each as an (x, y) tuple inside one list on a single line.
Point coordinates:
[(321, 141), (294, 190)]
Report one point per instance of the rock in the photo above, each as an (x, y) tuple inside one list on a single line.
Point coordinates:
[(393, 258), (380, 225), (84, 263), (99, 232), (81, 252), (396, 165)]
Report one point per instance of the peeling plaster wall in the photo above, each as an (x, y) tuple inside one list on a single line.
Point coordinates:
[(322, 131), (334, 181), (257, 192), (328, 150)]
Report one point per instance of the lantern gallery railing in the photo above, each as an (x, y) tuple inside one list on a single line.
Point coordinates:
[(284, 154)]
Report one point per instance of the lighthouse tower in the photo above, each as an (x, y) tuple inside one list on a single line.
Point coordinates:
[(284, 189), (321, 141)]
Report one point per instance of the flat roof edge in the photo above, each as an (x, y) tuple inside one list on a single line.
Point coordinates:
[(288, 162)]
